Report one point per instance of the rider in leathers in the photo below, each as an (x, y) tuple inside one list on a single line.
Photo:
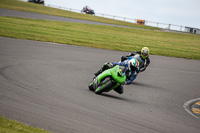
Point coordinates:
[(131, 65), (143, 58)]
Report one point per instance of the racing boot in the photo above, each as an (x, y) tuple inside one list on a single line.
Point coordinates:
[(105, 67), (119, 89), (123, 58), (98, 72)]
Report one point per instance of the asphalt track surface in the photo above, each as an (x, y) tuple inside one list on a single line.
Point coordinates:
[(46, 85)]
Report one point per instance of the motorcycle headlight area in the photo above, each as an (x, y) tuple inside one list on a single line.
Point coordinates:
[(120, 73)]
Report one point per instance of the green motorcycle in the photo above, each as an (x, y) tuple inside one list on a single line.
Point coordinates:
[(108, 80)]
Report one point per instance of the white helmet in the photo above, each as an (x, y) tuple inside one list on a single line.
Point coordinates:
[(133, 64)]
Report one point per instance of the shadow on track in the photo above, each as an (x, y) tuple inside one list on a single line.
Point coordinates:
[(118, 98), (146, 85), (140, 84), (111, 96)]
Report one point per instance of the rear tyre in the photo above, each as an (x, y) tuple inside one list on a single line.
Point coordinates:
[(107, 83)]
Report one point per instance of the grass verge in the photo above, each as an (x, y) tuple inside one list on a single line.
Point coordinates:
[(36, 8), (99, 36), (11, 126)]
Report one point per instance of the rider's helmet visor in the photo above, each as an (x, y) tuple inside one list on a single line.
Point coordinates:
[(144, 54)]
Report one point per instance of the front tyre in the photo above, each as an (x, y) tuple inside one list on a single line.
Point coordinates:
[(90, 86), (107, 83)]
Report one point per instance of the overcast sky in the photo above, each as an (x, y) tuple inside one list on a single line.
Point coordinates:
[(177, 12)]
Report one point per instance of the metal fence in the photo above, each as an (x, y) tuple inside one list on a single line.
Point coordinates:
[(147, 23)]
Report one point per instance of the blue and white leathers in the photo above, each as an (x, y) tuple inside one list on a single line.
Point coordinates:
[(130, 75), (138, 58)]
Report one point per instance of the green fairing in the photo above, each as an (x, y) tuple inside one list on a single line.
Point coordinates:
[(108, 80), (114, 73)]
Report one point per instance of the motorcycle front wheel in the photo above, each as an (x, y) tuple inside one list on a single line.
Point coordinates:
[(91, 86), (107, 83)]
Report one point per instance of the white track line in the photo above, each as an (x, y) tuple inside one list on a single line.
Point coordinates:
[(188, 104)]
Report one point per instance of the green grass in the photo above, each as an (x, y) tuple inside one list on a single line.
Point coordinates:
[(11, 126), (31, 7), (106, 37)]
